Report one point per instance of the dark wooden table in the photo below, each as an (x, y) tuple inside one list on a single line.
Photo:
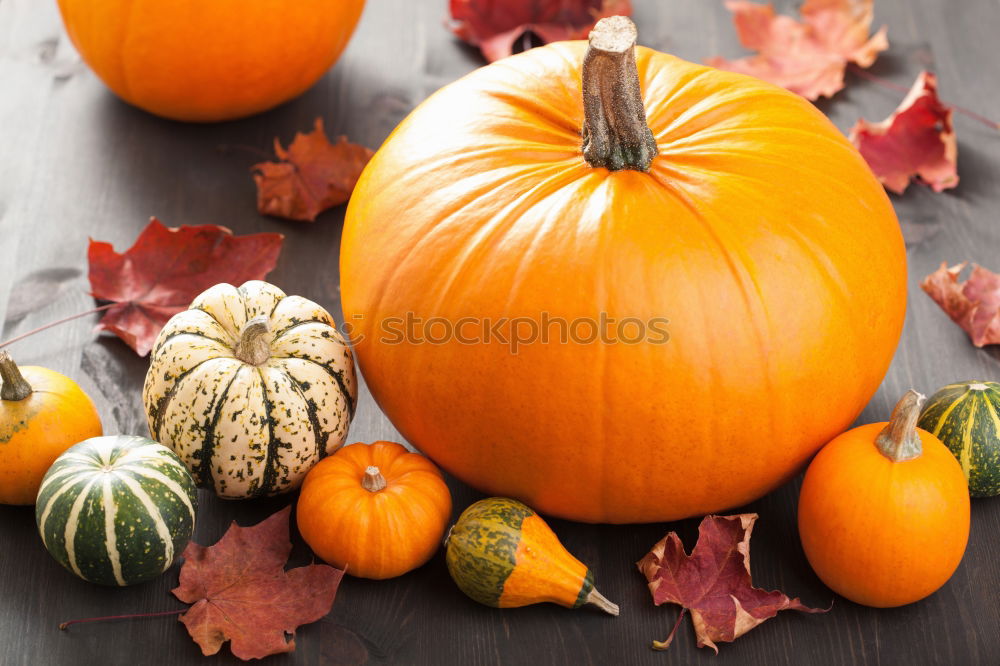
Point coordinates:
[(75, 162)]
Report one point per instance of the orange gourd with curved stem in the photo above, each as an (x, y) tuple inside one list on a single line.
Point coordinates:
[(42, 413), (377, 510), (884, 511), (502, 554), (211, 60), (757, 230)]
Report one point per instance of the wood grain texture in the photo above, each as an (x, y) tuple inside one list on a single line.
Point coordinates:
[(77, 163)]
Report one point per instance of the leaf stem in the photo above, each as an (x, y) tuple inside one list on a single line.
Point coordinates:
[(100, 308), (903, 89), (663, 645), (66, 625)]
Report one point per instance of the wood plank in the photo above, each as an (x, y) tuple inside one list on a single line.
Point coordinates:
[(77, 163)]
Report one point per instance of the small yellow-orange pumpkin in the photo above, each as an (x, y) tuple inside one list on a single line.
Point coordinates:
[(884, 511), (42, 413), (377, 509), (207, 60)]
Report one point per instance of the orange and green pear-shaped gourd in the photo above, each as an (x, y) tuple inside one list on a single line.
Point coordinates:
[(502, 554)]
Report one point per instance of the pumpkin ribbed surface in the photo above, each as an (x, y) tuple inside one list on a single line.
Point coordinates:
[(248, 429), (116, 510), (966, 417), (759, 232)]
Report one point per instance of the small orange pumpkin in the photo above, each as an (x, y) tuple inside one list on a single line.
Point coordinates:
[(42, 413), (206, 61), (377, 509), (884, 511)]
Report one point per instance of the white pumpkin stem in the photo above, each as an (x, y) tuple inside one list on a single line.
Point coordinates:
[(615, 132), (254, 346), (595, 598), (899, 440), (15, 386), (373, 481)]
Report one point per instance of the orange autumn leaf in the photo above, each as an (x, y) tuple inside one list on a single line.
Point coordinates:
[(496, 25), (713, 582), (809, 56), (974, 304), (917, 140), (313, 175), (240, 591)]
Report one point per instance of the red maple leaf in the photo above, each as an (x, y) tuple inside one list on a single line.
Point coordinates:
[(165, 269), (713, 582), (241, 592), (313, 175), (974, 304), (807, 57), (916, 140), (495, 25)]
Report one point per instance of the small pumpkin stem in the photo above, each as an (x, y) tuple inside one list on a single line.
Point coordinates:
[(595, 598), (899, 441), (254, 346), (15, 386), (373, 481), (615, 133)]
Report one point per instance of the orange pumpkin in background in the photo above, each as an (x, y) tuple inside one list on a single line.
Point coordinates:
[(744, 217), (209, 60)]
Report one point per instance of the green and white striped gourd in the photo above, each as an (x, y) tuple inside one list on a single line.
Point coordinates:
[(966, 417), (251, 388), (116, 510)]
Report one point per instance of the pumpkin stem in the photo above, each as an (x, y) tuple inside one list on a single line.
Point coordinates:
[(595, 598), (373, 481), (615, 133), (15, 386), (254, 347), (899, 441)]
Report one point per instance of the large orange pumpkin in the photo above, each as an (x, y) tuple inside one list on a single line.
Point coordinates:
[(208, 60), (757, 231)]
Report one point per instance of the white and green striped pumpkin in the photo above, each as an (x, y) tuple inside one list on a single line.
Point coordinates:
[(116, 510), (251, 388), (966, 417)]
